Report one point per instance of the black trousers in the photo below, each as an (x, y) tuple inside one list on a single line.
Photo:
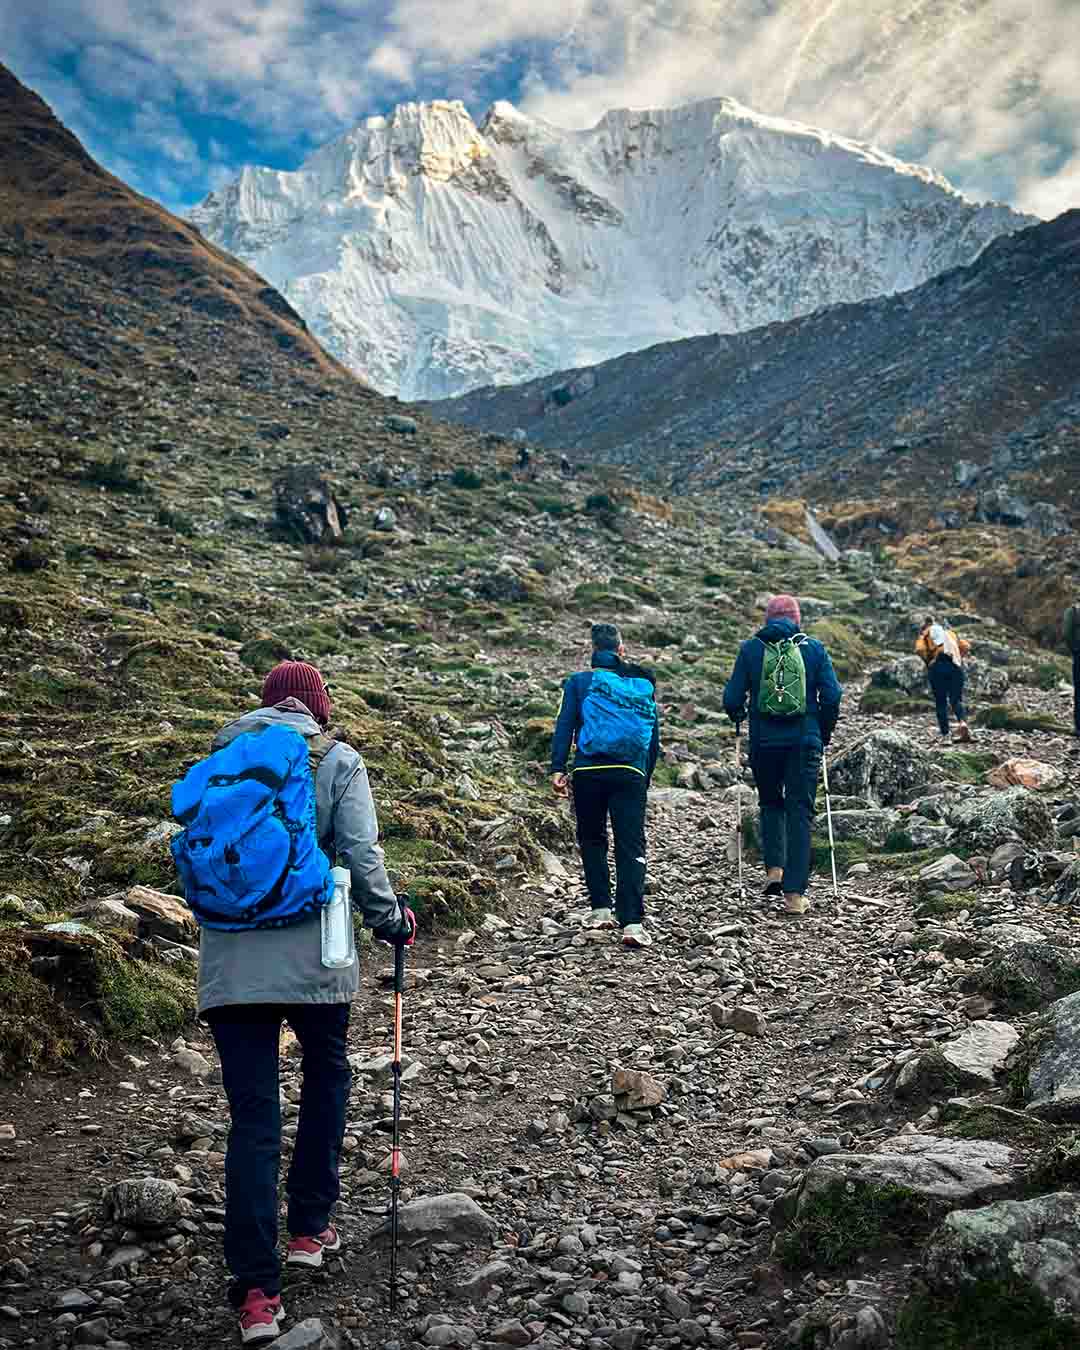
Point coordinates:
[(947, 682), (1076, 691), (786, 777), (619, 794)]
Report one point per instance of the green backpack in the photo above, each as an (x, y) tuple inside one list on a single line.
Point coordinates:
[(783, 679)]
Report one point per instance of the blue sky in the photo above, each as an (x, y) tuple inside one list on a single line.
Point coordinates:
[(176, 97)]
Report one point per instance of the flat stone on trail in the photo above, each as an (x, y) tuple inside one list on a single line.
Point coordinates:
[(310, 1334), (452, 1217), (979, 1055), (636, 1090), (947, 1172), (1034, 1241), (946, 874), (746, 1021)]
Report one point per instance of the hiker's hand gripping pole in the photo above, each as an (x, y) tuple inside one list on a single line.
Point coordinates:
[(395, 1147), (828, 817)]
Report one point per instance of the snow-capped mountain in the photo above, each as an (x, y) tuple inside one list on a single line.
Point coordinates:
[(434, 256)]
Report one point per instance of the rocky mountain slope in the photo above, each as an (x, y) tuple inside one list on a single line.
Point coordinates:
[(52, 192), (980, 365), (755, 1134), (433, 255)]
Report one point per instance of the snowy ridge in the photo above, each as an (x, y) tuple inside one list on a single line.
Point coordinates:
[(434, 256)]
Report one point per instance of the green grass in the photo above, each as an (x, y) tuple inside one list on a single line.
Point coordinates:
[(1002, 717), (968, 766), (842, 1223), (985, 1315), (893, 702), (948, 905)]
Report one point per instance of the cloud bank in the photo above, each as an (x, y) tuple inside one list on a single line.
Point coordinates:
[(176, 97)]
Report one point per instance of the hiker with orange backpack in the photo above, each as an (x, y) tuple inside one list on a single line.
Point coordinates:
[(264, 816), (943, 654), (794, 702)]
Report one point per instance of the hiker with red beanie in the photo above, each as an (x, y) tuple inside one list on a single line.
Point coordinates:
[(794, 702), (252, 981)]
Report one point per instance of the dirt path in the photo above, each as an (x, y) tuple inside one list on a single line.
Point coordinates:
[(616, 1227)]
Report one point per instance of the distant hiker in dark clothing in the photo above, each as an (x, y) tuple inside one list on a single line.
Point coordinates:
[(252, 979), (944, 652), (609, 714), (523, 457), (565, 467), (1071, 625), (794, 701)]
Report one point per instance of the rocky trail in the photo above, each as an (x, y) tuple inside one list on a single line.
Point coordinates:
[(617, 1137)]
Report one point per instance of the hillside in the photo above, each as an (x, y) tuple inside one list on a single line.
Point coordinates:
[(432, 254), (52, 192), (980, 365), (750, 1136)]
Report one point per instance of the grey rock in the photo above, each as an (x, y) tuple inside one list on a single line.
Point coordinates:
[(906, 673), (885, 767), (145, 1202), (404, 426), (1067, 891), (636, 1091), (449, 1334), (1034, 1241), (110, 913), (305, 505), (946, 1172), (74, 1300), (512, 1332), (946, 874), (874, 827), (871, 1333), (310, 1334), (481, 1282), (979, 1054), (452, 1217), (1001, 817), (193, 1061), (1029, 974), (746, 1021), (1051, 1047), (987, 681), (94, 1332)]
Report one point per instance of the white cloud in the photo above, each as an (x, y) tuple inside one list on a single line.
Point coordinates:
[(988, 91)]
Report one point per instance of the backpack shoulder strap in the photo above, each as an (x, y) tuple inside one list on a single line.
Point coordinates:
[(319, 746)]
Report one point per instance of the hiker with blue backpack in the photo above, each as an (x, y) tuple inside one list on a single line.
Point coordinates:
[(266, 816), (793, 694), (608, 718)]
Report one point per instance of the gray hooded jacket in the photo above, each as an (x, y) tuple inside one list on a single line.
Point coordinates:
[(284, 965)]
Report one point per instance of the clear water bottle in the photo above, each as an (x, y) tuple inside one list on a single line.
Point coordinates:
[(338, 938)]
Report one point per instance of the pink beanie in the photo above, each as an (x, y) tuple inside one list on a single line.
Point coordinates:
[(783, 607)]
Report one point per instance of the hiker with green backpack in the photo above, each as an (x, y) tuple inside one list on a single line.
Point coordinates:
[(793, 694), (264, 817), (608, 718)]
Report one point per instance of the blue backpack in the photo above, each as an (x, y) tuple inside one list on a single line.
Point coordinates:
[(248, 854), (617, 717)]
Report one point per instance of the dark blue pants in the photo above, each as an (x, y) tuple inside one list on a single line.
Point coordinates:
[(620, 794), (947, 682), (1076, 691), (247, 1038), (786, 778)]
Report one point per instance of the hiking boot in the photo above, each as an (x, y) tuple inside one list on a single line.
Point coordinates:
[(600, 918), (634, 935), (260, 1317), (963, 733), (773, 888), (308, 1251), (795, 904)]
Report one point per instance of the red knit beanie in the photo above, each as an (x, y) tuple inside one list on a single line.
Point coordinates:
[(299, 680), (783, 607)]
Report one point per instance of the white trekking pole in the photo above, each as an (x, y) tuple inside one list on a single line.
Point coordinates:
[(738, 808), (828, 817)]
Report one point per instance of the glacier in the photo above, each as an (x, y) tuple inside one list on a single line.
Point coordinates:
[(433, 255)]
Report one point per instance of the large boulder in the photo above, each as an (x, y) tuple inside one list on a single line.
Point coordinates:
[(305, 505), (1034, 1241), (145, 1202), (885, 767), (873, 827), (946, 1172), (943, 876), (1000, 506), (984, 822), (1023, 772), (1027, 976), (973, 1060), (1049, 1062), (160, 915), (907, 673), (988, 681), (1067, 891)]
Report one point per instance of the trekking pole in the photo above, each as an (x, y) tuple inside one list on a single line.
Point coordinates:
[(738, 808), (395, 1146), (828, 817)]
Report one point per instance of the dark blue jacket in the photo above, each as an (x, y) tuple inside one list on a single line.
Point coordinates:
[(568, 724), (823, 691)]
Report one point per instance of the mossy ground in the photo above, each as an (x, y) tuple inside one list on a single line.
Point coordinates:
[(843, 1222), (1002, 717), (984, 1315)]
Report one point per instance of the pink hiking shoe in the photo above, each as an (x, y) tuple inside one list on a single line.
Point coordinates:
[(260, 1317), (308, 1251)]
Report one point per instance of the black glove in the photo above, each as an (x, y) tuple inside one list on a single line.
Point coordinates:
[(401, 934)]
